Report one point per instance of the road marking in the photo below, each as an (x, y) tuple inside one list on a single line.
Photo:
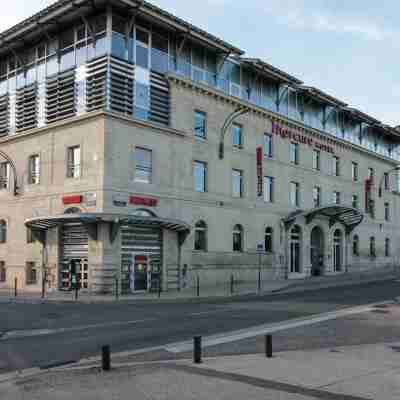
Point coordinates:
[(43, 332), (233, 336)]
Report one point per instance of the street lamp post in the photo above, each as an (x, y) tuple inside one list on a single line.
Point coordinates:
[(395, 169)]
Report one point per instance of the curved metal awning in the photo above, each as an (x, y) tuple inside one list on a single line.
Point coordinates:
[(48, 222), (347, 216)]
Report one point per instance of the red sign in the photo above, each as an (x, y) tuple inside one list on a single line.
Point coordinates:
[(143, 201), (141, 259), (294, 136), (259, 171), (75, 199)]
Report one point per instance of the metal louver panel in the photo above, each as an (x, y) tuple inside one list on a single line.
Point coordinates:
[(60, 96), (159, 99), (96, 84), (4, 114), (26, 108), (121, 87), (74, 241)]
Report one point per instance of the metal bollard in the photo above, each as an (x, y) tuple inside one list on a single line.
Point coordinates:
[(76, 290), (15, 287), (198, 286), (268, 346), (159, 287), (197, 349), (105, 358), (116, 289), (232, 283)]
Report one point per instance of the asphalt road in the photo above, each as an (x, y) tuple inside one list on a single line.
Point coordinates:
[(79, 330)]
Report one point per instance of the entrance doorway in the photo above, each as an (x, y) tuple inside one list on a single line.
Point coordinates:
[(337, 250), (317, 251), (75, 272), (295, 252)]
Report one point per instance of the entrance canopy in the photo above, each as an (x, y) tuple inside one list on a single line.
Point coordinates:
[(48, 222), (347, 216)]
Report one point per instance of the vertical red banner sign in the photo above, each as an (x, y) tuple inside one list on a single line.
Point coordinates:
[(259, 171)]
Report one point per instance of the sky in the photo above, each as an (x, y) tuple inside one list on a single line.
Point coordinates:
[(349, 49)]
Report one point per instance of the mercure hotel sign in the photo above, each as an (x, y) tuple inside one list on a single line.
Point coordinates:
[(295, 136)]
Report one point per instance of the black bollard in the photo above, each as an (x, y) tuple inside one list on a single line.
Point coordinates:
[(268, 346), (105, 358), (116, 289), (198, 286), (197, 349), (159, 286), (16, 287), (232, 283), (76, 290)]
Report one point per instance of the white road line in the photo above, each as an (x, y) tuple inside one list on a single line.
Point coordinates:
[(233, 336)]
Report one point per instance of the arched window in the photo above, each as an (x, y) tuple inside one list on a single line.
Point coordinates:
[(372, 248), (200, 236), (269, 244), (3, 274), (387, 247), (3, 231), (356, 246), (237, 238)]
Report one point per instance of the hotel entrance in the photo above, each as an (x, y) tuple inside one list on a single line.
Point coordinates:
[(317, 251)]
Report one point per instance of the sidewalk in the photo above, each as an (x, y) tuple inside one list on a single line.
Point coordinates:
[(346, 373), (215, 292)]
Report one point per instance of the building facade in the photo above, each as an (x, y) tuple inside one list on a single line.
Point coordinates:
[(138, 150)]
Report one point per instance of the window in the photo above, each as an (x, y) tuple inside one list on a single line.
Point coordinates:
[(387, 247), (29, 236), (74, 162), (200, 176), (372, 249), (354, 201), (294, 153), (200, 236), (143, 165), (200, 124), (4, 175), (268, 189), (3, 274), (316, 196), (386, 181), (371, 174), (387, 212), (3, 231), (34, 170), (31, 273), (269, 232), (336, 197), (267, 145), (354, 171), (238, 238), (237, 183), (335, 166), (356, 246), (316, 160), (237, 136), (294, 194)]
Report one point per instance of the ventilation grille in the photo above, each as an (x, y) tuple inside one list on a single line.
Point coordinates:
[(4, 115), (159, 99), (121, 87), (96, 84), (26, 108)]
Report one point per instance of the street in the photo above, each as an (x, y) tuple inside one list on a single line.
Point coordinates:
[(43, 335)]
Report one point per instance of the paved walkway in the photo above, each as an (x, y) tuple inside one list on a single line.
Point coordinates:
[(347, 373), (242, 289)]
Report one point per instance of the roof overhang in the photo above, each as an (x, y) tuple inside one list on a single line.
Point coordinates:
[(321, 96), (270, 71), (48, 222), (63, 10), (347, 216), (361, 116)]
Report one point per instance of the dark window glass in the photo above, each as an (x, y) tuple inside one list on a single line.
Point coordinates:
[(269, 240), (200, 238), (267, 145), (356, 244), (238, 238), (200, 124)]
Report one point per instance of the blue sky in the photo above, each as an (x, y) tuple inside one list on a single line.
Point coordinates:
[(349, 49)]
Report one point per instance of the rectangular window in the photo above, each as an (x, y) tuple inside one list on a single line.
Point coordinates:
[(29, 235), (200, 124), (4, 175), (335, 166), (371, 174), (386, 181), (387, 212), (372, 249), (237, 183), (294, 153), (237, 136), (317, 196), (200, 176), (3, 274), (354, 171), (267, 145), (294, 194), (143, 165), (387, 247), (316, 160), (34, 170), (354, 201), (268, 189), (74, 162), (31, 273), (336, 197)]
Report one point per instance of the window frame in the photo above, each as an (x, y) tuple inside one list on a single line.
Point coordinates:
[(268, 147), (240, 130), (296, 193), (316, 160), (354, 171), (294, 153), (204, 125), (239, 175), (372, 247), (269, 233), (387, 247), (271, 180), (74, 169), (200, 226), (33, 175), (3, 272), (317, 189), (205, 176), (238, 231), (355, 203), (356, 246), (335, 165), (3, 231), (30, 266), (387, 211), (145, 169)]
